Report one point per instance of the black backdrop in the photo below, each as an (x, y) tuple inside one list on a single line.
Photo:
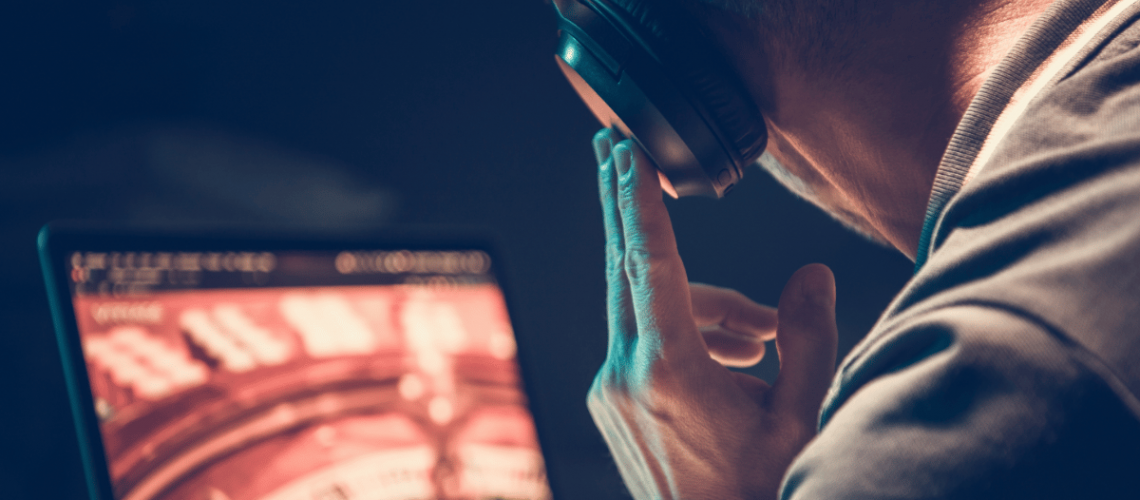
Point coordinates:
[(366, 113)]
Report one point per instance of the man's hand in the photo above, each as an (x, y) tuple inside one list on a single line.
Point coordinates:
[(681, 425), (734, 327)]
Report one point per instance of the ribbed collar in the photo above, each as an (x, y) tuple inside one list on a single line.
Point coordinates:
[(1061, 36)]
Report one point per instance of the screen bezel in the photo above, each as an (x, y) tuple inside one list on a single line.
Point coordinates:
[(57, 241)]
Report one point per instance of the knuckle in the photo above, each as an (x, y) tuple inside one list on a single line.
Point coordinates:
[(626, 202), (615, 246), (607, 383), (627, 191), (660, 373), (639, 258), (643, 381), (613, 270), (615, 265), (640, 262), (656, 381)]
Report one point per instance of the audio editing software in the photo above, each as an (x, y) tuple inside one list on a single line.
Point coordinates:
[(305, 376)]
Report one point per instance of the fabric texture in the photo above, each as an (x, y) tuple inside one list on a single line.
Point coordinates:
[(1009, 366)]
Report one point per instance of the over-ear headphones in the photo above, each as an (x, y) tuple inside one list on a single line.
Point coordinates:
[(645, 68)]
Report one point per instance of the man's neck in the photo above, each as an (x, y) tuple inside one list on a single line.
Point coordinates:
[(873, 131)]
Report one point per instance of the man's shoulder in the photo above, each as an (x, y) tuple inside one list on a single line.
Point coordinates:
[(1085, 110), (1009, 359), (979, 349), (970, 400), (1050, 226)]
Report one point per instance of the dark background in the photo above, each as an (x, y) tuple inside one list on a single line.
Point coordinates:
[(349, 114)]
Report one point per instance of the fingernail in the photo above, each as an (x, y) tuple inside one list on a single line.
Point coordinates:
[(603, 144), (623, 157)]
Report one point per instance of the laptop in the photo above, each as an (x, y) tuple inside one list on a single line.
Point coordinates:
[(239, 366)]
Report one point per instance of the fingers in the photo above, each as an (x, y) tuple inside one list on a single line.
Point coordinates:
[(619, 307), (604, 141), (730, 309), (657, 281), (734, 327), (806, 341), (732, 349)]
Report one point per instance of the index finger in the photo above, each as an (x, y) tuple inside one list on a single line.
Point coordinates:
[(731, 310), (619, 310), (658, 284)]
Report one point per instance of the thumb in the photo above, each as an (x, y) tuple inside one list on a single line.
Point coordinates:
[(806, 339)]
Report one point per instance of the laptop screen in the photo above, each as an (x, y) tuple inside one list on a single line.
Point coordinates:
[(304, 375)]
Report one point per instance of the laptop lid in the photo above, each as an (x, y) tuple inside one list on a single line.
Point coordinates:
[(233, 366)]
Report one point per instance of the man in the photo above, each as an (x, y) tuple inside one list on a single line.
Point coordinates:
[(997, 144)]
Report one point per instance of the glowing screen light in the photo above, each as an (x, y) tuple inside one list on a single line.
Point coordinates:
[(380, 375)]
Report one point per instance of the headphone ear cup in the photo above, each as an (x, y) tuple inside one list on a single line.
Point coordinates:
[(702, 71)]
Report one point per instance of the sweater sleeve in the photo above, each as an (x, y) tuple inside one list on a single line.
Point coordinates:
[(971, 402)]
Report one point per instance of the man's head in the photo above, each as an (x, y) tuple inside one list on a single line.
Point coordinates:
[(860, 98), (854, 101), (818, 37)]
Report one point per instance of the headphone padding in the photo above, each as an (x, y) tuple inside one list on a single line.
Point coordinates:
[(703, 72)]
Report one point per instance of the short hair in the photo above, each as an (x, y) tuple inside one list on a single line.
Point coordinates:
[(817, 32)]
